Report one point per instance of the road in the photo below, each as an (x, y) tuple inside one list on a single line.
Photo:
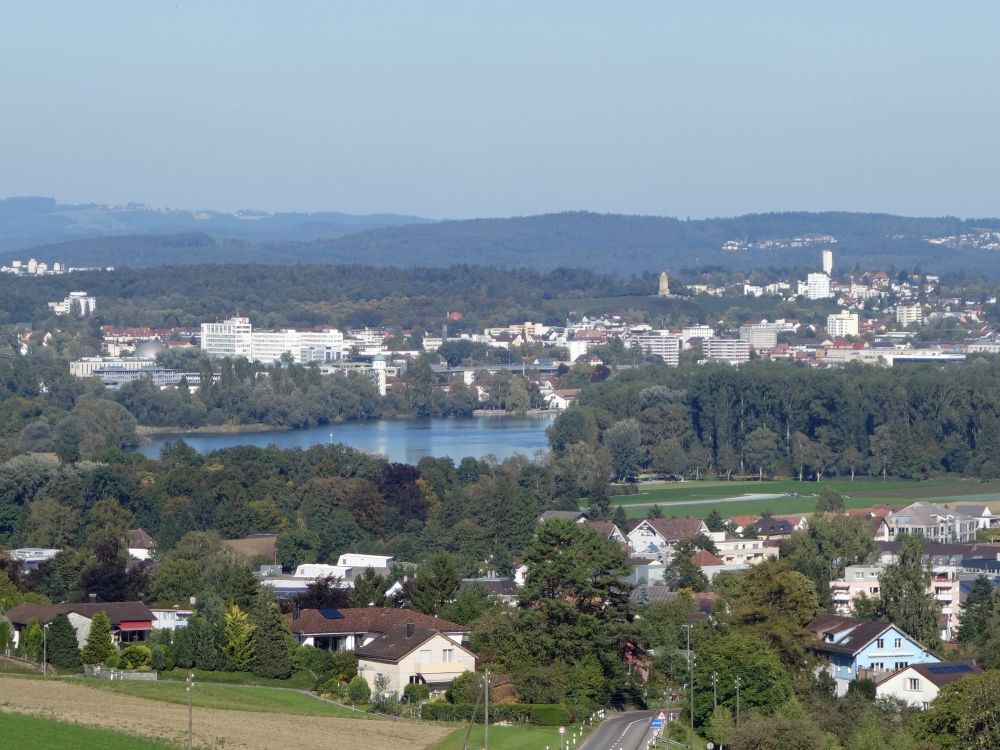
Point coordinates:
[(627, 731)]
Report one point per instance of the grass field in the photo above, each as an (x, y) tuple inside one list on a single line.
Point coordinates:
[(36, 733), (698, 499), (502, 738), (268, 718), (229, 697)]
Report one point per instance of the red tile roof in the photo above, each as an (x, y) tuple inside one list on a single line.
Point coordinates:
[(703, 558), (117, 612)]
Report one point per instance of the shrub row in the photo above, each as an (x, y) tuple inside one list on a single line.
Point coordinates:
[(541, 714)]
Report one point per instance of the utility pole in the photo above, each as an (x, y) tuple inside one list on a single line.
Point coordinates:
[(715, 690), (690, 683), (45, 650), (190, 691), (486, 712), (737, 701)]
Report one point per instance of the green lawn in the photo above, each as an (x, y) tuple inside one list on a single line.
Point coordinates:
[(502, 738), (695, 499), (231, 697), (34, 733)]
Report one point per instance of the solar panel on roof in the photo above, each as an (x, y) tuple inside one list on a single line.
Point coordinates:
[(948, 668), (330, 613)]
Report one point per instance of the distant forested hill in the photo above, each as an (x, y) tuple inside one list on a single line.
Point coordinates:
[(27, 222), (614, 243)]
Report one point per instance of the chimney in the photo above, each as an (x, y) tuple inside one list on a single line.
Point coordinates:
[(295, 611), (410, 627)]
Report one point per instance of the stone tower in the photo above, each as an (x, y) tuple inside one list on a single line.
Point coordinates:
[(664, 290)]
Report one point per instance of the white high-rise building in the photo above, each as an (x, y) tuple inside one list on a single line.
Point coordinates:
[(828, 262), (77, 303), (660, 344), (230, 338), (664, 287), (842, 324), (760, 335), (696, 332), (818, 286)]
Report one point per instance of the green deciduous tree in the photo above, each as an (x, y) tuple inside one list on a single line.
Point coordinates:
[(33, 641), (99, 645), (624, 442), (358, 690), (297, 546)]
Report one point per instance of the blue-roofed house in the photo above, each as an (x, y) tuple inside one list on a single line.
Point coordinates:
[(855, 648), (919, 684)]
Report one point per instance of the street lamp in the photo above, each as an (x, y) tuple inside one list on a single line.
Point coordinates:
[(737, 701), (715, 690)]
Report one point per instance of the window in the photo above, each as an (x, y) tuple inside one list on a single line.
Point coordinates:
[(925, 705), (898, 643), (425, 656), (901, 665), (913, 684), (447, 655), (878, 666), (880, 643)]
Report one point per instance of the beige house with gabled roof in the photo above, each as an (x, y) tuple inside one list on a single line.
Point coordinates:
[(407, 654)]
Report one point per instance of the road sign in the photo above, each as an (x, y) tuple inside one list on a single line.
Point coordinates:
[(656, 723), (562, 730), (661, 716), (656, 732)]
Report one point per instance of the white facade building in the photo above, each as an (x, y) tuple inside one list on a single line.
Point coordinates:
[(733, 351), (909, 314), (230, 338), (828, 262), (303, 346), (842, 324), (660, 344), (760, 335), (77, 303), (696, 332), (817, 286)]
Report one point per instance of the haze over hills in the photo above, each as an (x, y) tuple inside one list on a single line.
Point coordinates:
[(30, 221), (615, 243)]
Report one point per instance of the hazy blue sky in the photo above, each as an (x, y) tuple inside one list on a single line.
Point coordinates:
[(485, 109)]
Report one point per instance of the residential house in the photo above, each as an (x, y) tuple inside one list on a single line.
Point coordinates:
[(933, 522), (171, 615), (854, 648), (573, 516), (709, 564), (562, 399), (408, 654), (734, 550), (609, 531), (985, 518), (31, 557), (645, 571), (504, 589), (919, 684), (130, 621), (349, 628), (141, 545), (774, 529), (654, 536)]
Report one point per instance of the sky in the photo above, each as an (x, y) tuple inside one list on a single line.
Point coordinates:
[(464, 109)]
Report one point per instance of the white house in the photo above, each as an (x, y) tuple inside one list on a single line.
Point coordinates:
[(141, 545), (919, 684), (654, 536), (408, 654), (350, 628)]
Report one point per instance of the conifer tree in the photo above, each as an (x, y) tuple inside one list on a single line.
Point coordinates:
[(99, 644), (272, 656), (238, 648), (33, 641), (63, 648)]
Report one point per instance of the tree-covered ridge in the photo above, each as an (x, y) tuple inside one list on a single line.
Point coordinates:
[(607, 242), (768, 417)]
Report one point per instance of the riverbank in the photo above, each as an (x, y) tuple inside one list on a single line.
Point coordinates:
[(531, 413), (210, 429)]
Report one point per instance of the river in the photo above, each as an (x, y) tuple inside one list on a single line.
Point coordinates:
[(402, 440)]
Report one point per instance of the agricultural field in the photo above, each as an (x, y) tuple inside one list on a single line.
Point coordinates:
[(230, 697), (502, 738), (269, 722), (36, 733), (699, 498)]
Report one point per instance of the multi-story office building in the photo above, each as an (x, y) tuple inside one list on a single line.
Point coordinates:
[(303, 346), (932, 522), (842, 324), (696, 332), (828, 262), (230, 338), (77, 303)]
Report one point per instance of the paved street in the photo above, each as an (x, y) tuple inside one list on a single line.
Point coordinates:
[(627, 731)]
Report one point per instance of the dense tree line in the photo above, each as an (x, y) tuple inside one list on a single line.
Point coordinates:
[(766, 417)]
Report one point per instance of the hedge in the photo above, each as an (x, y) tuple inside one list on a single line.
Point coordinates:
[(541, 714)]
